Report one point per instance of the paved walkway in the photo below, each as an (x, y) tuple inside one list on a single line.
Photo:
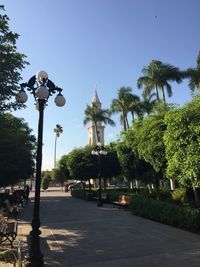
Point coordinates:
[(78, 233)]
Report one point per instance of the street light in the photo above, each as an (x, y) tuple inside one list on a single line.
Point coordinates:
[(99, 150), (42, 88)]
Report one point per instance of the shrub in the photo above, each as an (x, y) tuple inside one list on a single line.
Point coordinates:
[(165, 212), (79, 193), (179, 195)]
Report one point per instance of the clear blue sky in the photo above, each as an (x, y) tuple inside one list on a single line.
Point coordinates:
[(84, 44)]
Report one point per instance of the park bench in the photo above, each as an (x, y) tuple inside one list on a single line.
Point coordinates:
[(104, 196), (123, 201), (8, 231), (9, 209)]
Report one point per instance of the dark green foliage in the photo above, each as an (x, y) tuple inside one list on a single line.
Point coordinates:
[(11, 63), (110, 166), (194, 75), (17, 150), (82, 165), (46, 179), (165, 212), (79, 193), (61, 174)]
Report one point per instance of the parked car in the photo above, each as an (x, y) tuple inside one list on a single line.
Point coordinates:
[(77, 186), (67, 186)]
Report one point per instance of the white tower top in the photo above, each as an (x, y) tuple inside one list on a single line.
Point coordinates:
[(96, 98)]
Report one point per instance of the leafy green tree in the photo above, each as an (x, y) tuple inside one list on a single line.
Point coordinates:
[(17, 150), (109, 164), (81, 164), (58, 130), (95, 115), (194, 75), (148, 142), (61, 173), (46, 178), (133, 167), (127, 161), (11, 63), (182, 138), (157, 76)]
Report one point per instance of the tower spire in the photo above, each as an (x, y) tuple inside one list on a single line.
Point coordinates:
[(96, 98)]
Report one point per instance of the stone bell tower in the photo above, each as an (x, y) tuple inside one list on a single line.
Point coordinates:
[(92, 138)]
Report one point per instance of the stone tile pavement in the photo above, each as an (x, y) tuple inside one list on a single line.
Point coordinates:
[(77, 233)]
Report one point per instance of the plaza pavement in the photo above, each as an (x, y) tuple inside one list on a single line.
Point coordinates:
[(77, 233)]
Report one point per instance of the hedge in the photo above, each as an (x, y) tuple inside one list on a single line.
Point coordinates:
[(166, 212)]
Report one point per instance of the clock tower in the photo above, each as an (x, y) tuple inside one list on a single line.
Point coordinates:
[(92, 138)]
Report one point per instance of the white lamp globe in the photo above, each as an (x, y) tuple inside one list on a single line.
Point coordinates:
[(21, 97), (42, 76), (42, 92), (60, 100), (103, 152)]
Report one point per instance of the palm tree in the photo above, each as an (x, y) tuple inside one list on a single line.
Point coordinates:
[(121, 105), (148, 102), (58, 130), (126, 102), (135, 106), (194, 75), (94, 115), (157, 76)]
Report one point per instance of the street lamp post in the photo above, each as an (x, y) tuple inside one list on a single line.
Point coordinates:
[(41, 87), (99, 150)]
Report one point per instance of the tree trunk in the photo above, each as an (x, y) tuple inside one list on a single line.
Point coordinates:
[(90, 188), (157, 185), (172, 184), (149, 188), (104, 183), (137, 183), (157, 95), (127, 124), (55, 152), (196, 194), (163, 95), (124, 121)]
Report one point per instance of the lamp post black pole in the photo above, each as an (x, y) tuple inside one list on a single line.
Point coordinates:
[(98, 151), (100, 203), (35, 255), (41, 88)]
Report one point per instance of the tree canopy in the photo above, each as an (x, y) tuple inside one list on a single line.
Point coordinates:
[(182, 139), (11, 64), (157, 76), (17, 150)]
